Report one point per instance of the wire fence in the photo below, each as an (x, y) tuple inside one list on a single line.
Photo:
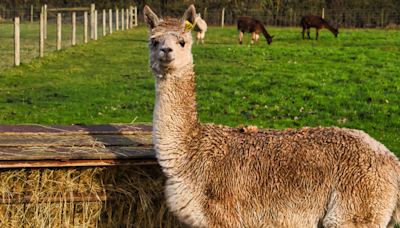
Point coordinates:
[(341, 18), (29, 28), (30, 32)]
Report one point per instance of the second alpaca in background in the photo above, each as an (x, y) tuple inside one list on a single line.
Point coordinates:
[(200, 28)]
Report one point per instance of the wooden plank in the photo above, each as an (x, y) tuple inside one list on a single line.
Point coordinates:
[(76, 163), (118, 129), (74, 153), (76, 140)]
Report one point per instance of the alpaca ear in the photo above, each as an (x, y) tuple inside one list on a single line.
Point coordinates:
[(190, 15), (150, 17)]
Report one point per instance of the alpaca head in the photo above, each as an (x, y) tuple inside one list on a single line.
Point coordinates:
[(335, 32), (269, 39), (170, 42), (198, 16)]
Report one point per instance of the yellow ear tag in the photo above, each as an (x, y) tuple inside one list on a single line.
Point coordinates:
[(190, 26)]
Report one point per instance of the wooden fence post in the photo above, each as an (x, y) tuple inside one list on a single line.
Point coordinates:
[(323, 13), (31, 13), (131, 16), (136, 21), (92, 9), (73, 40), (116, 20), (45, 22), (58, 31), (85, 25), (95, 25), (127, 18), (110, 20), (291, 17), (41, 35), (383, 14), (122, 19), (223, 17), (205, 13), (16, 42), (104, 22)]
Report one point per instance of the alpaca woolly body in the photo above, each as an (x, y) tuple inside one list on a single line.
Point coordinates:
[(244, 177)]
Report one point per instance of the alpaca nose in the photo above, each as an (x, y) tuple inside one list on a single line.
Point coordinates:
[(166, 54), (166, 50)]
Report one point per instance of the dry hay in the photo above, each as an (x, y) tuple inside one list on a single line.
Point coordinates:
[(135, 196)]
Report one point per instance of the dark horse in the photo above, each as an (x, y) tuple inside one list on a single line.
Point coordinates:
[(254, 27), (309, 21)]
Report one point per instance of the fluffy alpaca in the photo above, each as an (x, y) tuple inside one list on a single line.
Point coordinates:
[(200, 28), (244, 177)]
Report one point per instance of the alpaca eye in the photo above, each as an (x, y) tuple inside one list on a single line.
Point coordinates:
[(182, 43), (155, 43)]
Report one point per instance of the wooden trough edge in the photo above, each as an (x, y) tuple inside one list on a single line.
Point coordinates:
[(110, 129), (74, 197)]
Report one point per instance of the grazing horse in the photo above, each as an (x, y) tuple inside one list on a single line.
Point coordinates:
[(309, 21), (254, 27)]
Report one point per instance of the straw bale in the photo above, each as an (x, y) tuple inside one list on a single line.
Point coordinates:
[(135, 193)]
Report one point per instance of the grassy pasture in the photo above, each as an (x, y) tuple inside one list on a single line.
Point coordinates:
[(351, 81)]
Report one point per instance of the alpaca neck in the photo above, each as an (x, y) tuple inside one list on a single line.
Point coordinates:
[(264, 32), (327, 26), (175, 120)]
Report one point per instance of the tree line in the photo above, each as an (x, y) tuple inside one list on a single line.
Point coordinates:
[(343, 13), (276, 5)]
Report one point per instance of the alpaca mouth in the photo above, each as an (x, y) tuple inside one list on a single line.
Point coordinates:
[(165, 61)]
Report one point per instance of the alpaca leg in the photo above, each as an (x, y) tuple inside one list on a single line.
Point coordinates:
[(304, 29), (197, 37), (253, 35), (240, 37), (317, 34), (308, 33), (257, 36), (203, 34), (395, 218)]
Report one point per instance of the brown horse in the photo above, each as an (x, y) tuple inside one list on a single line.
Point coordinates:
[(309, 21), (254, 27)]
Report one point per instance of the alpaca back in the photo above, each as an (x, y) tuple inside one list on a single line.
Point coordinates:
[(292, 178), (201, 25)]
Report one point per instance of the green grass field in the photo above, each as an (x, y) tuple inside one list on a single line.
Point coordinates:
[(29, 40), (351, 81)]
